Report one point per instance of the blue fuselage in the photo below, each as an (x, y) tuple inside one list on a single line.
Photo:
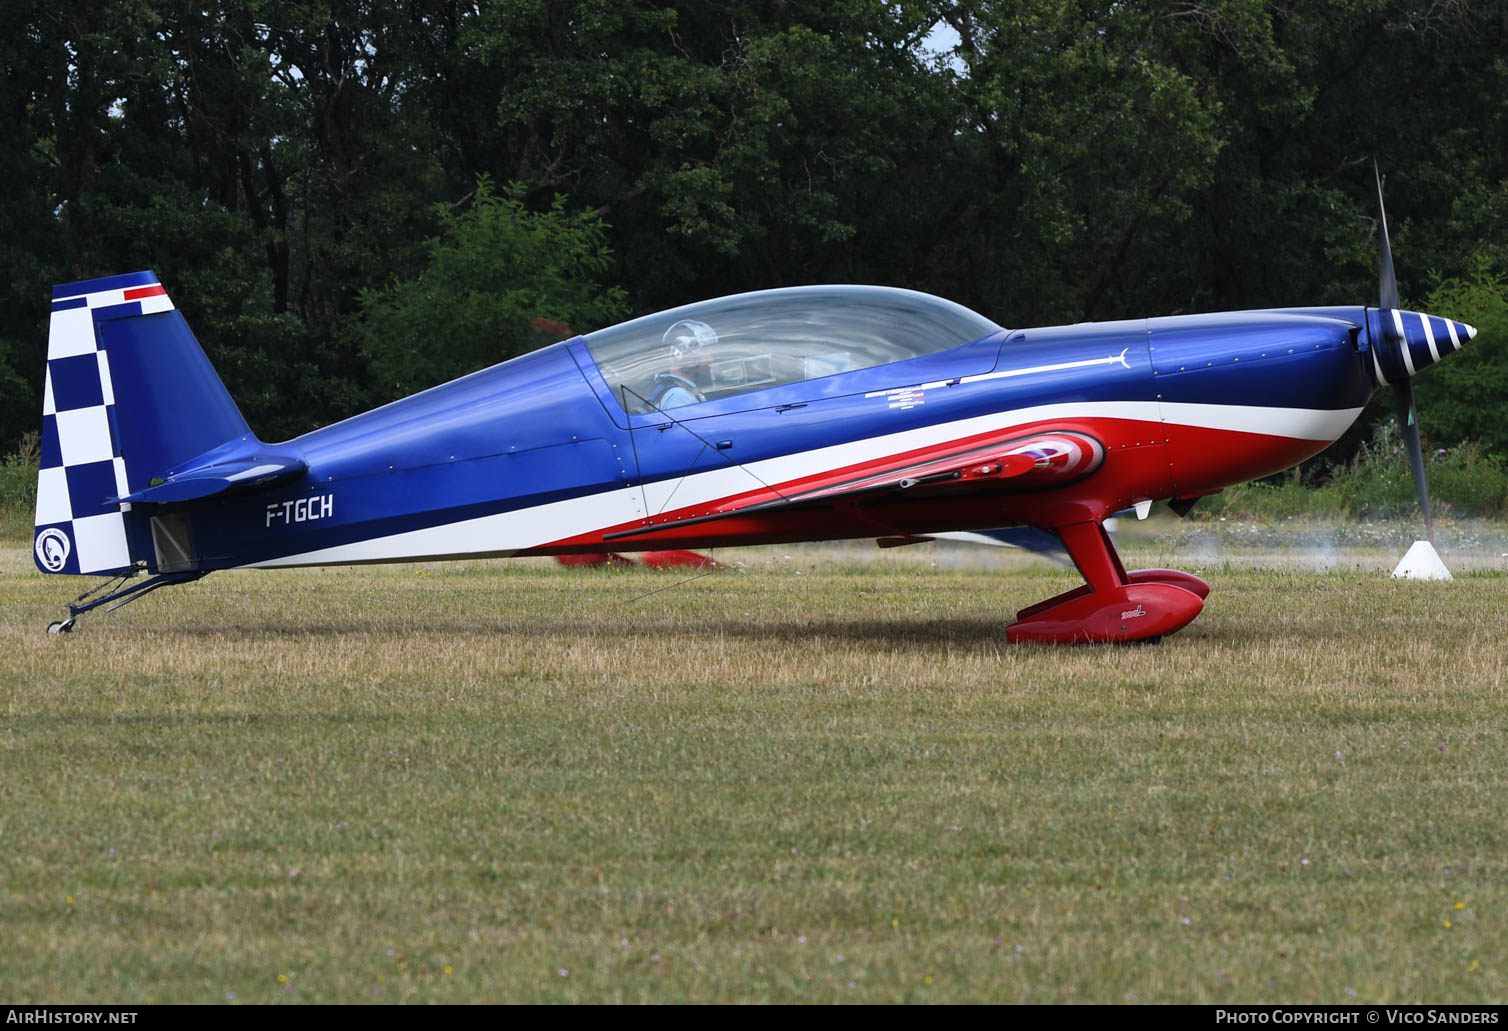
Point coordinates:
[(545, 428)]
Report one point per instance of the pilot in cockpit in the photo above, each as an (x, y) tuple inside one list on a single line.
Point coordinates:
[(684, 345)]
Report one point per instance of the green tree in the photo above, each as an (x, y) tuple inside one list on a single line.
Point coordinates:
[(273, 159), (1466, 397), (496, 270), (31, 249), (1083, 138), (733, 145)]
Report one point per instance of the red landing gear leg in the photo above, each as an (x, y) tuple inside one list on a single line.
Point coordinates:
[(1113, 605)]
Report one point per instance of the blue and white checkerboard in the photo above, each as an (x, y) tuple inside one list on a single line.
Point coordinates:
[(80, 528)]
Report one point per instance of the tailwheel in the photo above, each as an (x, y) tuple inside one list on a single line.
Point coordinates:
[(115, 593), (1113, 605)]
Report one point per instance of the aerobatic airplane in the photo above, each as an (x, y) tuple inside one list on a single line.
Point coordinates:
[(801, 414)]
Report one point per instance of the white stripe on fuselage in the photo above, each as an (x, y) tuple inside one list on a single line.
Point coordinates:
[(1114, 359), (508, 532)]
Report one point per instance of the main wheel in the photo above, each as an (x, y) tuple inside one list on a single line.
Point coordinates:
[(1135, 612), (62, 626)]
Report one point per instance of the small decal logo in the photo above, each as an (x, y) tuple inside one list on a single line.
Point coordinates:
[(903, 397), (52, 549), (1133, 613)]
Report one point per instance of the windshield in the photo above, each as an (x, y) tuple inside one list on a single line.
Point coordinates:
[(747, 342)]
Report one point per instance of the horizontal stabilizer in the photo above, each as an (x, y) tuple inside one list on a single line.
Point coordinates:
[(245, 475)]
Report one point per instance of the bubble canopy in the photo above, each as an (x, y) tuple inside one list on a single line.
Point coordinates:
[(747, 342)]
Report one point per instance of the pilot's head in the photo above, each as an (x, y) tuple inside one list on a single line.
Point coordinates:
[(685, 340)]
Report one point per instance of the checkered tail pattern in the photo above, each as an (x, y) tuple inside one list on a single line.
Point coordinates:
[(80, 526)]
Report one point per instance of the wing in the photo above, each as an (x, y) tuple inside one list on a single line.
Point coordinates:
[(1040, 460)]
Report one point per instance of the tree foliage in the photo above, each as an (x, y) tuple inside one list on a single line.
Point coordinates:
[(1466, 398), (296, 170), (496, 271)]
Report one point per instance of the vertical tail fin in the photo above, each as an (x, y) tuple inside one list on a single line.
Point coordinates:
[(129, 394)]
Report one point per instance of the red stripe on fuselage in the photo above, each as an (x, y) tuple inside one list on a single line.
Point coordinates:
[(1143, 460), (144, 291)]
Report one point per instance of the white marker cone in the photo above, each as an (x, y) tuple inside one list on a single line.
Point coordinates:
[(1422, 562)]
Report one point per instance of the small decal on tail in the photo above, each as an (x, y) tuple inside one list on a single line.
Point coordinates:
[(52, 549)]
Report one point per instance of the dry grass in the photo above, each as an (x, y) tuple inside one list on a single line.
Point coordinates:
[(812, 781)]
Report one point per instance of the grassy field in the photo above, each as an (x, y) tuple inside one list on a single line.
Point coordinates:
[(815, 779)]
